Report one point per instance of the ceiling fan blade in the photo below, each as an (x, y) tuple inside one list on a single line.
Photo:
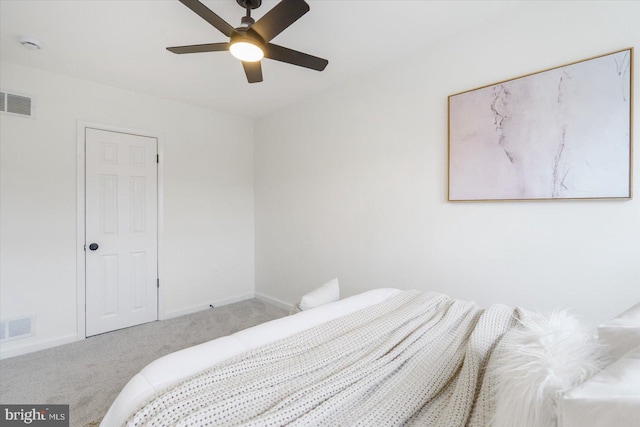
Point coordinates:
[(294, 57), (196, 48), (253, 70), (280, 17), (207, 14)]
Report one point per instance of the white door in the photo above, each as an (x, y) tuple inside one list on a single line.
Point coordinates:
[(121, 239)]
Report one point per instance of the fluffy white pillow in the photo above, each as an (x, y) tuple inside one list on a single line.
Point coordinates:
[(326, 293), (545, 355)]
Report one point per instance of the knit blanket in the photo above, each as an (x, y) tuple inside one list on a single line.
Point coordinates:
[(415, 359)]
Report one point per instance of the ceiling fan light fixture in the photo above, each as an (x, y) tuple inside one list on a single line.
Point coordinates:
[(246, 51)]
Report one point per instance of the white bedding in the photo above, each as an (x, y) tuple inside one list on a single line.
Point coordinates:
[(415, 359), (173, 367)]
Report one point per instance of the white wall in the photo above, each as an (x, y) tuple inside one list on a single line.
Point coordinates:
[(353, 182), (208, 200)]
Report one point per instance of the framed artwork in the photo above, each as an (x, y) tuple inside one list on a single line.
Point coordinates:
[(562, 133)]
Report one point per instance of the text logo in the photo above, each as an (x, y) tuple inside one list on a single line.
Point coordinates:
[(35, 415)]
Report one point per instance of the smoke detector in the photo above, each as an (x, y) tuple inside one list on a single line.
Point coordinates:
[(30, 43)]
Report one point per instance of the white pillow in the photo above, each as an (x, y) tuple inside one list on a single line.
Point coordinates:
[(621, 334), (534, 362), (609, 398), (326, 293)]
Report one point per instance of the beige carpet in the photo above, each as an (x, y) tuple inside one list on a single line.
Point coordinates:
[(89, 374)]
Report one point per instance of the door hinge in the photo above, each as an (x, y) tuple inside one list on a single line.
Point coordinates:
[(158, 282), (157, 158)]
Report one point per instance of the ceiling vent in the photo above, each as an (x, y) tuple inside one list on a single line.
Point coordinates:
[(12, 103)]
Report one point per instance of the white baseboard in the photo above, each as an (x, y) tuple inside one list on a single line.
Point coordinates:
[(42, 345), (201, 307), (274, 301)]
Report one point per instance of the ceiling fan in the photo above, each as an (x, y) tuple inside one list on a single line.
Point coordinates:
[(250, 42)]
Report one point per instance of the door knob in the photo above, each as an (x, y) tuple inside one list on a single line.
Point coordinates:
[(93, 246)]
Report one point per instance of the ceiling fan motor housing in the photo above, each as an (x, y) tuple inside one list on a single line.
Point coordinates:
[(247, 35)]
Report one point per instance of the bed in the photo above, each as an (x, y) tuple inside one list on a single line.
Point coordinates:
[(382, 357)]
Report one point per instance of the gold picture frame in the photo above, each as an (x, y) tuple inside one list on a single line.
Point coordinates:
[(564, 133)]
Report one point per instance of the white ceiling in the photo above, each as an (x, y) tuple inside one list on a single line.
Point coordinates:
[(122, 44)]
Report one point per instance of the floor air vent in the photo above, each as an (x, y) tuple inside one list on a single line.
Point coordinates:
[(12, 103), (16, 328)]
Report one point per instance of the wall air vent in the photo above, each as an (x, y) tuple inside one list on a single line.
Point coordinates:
[(13, 103), (16, 328)]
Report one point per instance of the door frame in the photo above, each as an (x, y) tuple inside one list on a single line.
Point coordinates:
[(82, 125)]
